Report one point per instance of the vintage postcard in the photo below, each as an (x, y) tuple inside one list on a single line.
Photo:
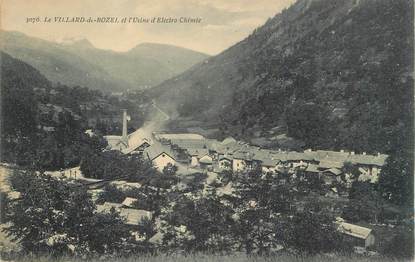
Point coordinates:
[(207, 130)]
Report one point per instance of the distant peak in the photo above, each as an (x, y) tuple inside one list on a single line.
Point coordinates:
[(154, 45), (77, 42)]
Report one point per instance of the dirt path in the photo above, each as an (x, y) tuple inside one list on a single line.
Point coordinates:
[(5, 172), (6, 243)]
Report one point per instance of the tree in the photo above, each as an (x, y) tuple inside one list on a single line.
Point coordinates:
[(4, 202), (111, 194), (199, 223), (226, 176), (170, 170), (196, 181), (112, 164), (260, 201), (154, 191), (107, 233), (365, 203), (54, 215), (147, 228), (396, 179), (312, 233)]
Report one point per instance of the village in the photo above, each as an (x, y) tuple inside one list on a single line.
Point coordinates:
[(193, 153)]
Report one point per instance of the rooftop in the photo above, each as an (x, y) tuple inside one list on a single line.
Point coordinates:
[(200, 152), (132, 216), (312, 168), (190, 143), (206, 160), (157, 149), (129, 202), (325, 164), (180, 136), (354, 230), (229, 140), (334, 171)]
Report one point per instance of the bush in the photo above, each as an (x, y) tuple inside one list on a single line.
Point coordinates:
[(111, 194), (20, 180)]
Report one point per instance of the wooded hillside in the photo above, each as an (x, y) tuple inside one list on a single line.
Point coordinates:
[(334, 74)]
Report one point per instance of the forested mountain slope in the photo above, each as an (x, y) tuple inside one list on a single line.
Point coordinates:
[(43, 124), (333, 73)]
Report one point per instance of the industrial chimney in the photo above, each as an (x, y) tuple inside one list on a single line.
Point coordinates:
[(125, 119)]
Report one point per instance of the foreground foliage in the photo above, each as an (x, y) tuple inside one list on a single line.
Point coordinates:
[(220, 258), (55, 216)]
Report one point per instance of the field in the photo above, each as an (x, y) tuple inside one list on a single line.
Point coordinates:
[(218, 258)]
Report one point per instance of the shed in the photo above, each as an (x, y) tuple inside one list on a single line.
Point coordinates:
[(132, 216), (364, 236)]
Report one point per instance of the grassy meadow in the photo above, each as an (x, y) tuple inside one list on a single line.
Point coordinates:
[(216, 258)]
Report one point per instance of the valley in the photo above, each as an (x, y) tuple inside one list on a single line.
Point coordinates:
[(293, 144)]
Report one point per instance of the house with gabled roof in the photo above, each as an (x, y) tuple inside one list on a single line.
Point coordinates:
[(265, 160), (206, 162), (370, 166), (269, 164), (243, 160), (160, 155), (225, 162), (331, 175), (239, 162), (196, 154)]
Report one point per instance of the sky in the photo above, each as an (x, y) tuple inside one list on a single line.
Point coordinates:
[(223, 22)]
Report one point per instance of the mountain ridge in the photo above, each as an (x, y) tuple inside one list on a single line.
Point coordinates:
[(78, 62)]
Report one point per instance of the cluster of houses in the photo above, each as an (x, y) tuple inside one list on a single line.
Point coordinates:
[(193, 151), (198, 152)]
